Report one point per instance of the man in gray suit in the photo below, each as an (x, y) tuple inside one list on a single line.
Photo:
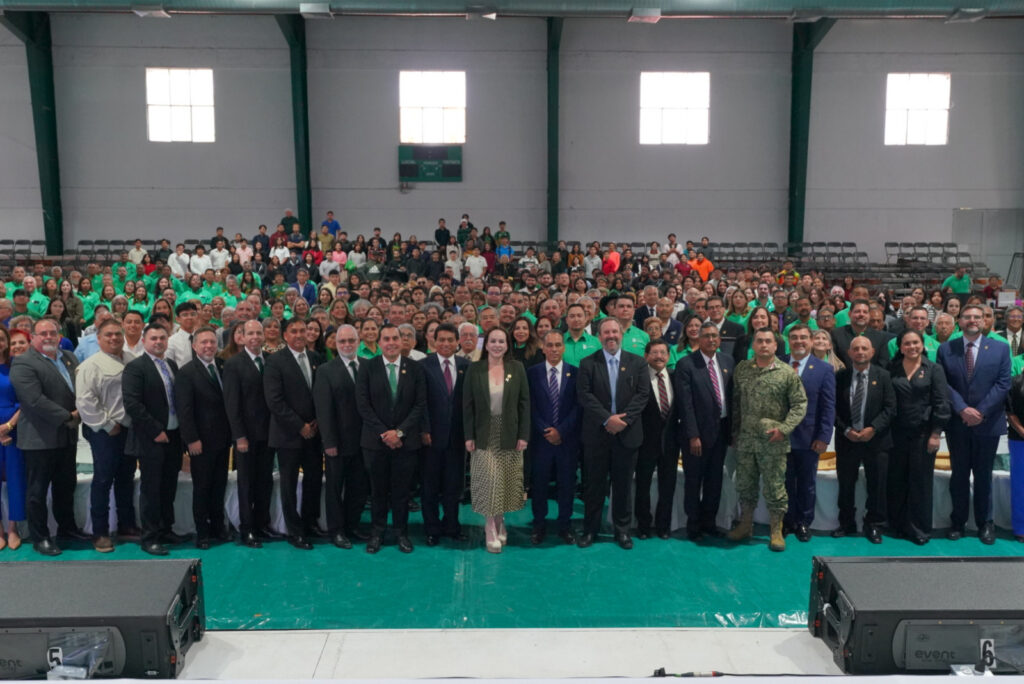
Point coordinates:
[(44, 380)]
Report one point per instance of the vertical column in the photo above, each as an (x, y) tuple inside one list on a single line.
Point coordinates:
[(33, 29), (805, 38), (293, 27), (554, 45)]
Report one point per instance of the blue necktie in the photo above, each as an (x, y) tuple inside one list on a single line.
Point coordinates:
[(613, 378), (168, 385), (553, 393)]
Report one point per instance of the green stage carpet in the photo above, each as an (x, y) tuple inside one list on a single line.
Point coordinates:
[(659, 583)]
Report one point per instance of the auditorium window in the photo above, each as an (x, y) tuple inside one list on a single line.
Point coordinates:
[(674, 107), (917, 109), (179, 105), (432, 106)]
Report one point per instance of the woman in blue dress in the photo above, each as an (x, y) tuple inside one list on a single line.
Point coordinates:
[(12, 464)]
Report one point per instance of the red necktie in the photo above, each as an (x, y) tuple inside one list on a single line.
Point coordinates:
[(796, 366), (448, 375), (662, 395)]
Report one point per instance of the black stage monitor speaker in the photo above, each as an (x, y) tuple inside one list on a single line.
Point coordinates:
[(896, 615), (99, 618)]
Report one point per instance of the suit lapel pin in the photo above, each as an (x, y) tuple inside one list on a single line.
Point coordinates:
[(403, 371), (810, 366), (568, 374), (725, 370), (508, 378), (623, 369), (874, 382), (985, 347)]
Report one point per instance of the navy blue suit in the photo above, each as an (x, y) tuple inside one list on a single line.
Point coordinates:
[(443, 462), (819, 382), (700, 417), (673, 333), (973, 449), (550, 459)]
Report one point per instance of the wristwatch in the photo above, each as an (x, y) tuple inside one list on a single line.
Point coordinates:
[(401, 435)]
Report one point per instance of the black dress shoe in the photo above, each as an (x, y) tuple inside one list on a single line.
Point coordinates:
[(623, 540), (173, 538), (567, 536), (75, 533), (663, 534), (919, 539), (843, 531), (537, 538), (414, 506), (987, 533), (155, 548), (694, 534), (802, 533), (433, 540), (268, 533), (47, 547), (459, 537), (224, 535), (373, 545), (711, 531), (203, 543), (317, 532), (643, 534), (341, 541), (251, 540), (129, 533), (300, 542), (872, 534), (354, 533), (585, 540), (404, 545), (955, 533)]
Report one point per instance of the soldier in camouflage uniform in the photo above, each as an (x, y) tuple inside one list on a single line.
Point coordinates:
[(768, 404)]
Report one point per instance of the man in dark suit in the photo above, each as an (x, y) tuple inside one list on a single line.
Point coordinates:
[(288, 386), (865, 406), (671, 329), (248, 418), (659, 450), (147, 387), (810, 439), (443, 463), (44, 380), (703, 387), (647, 307), (860, 314), (392, 399), (334, 394), (613, 387), (199, 401), (728, 331), (1014, 332), (554, 438), (978, 372)]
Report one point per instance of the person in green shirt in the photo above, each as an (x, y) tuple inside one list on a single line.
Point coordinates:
[(959, 282), (634, 340), (917, 320), (578, 342), (369, 334), (739, 308), (37, 301), (803, 315), (688, 343)]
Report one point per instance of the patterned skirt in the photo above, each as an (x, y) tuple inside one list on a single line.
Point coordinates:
[(496, 476)]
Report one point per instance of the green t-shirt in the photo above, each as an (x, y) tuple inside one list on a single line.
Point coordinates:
[(812, 324), (577, 350), (634, 340), (931, 347), (958, 285)]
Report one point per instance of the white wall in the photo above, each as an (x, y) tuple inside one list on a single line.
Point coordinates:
[(20, 205), (857, 186), (115, 182), (353, 101), (734, 188)]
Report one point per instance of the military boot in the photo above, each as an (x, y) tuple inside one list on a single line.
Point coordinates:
[(746, 527), (777, 541)]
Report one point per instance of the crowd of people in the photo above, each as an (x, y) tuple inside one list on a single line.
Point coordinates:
[(368, 370)]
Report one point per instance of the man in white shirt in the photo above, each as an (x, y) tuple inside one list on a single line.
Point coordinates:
[(219, 257), (199, 261), (105, 425), (179, 261), (476, 264), (136, 253), (179, 345), (133, 325)]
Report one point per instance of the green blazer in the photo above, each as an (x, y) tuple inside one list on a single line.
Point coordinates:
[(515, 405)]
